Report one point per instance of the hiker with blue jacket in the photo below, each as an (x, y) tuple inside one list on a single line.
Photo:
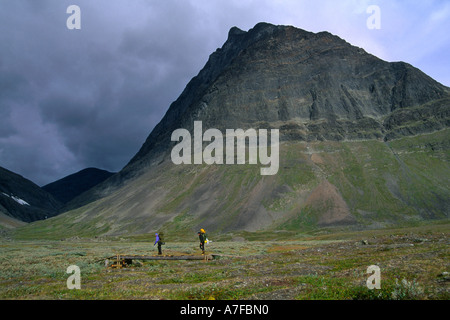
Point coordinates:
[(159, 242)]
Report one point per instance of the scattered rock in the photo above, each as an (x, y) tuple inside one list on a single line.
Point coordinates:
[(444, 276)]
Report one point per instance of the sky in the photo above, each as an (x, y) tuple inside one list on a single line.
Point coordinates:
[(89, 97)]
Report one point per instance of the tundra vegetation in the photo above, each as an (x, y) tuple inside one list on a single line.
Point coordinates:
[(413, 262)]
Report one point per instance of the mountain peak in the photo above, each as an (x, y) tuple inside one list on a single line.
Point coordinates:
[(235, 31), (310, 86), (273, 74)]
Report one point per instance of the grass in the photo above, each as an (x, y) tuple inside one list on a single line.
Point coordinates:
[(305, 220), (413, 262)]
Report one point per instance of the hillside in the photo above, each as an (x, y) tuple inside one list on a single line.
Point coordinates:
[(364, 144), (23, 200), (73, 185), (347, 185)]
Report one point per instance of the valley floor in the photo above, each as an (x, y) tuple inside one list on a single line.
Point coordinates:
[(414, 264)]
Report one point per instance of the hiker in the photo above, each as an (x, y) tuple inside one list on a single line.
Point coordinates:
[(159, 242), (202, 237)]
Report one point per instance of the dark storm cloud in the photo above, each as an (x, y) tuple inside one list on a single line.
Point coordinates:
[(89, 97)]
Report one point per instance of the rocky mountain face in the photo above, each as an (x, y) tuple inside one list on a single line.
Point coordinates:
[(364, 144), (23, 200), (313, 87)]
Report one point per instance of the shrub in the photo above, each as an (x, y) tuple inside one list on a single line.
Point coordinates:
[(406, 290)]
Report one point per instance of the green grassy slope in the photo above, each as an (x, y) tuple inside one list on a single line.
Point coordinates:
[(348, 185)]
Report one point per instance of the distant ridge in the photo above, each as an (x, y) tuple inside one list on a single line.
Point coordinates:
[(24, 200), (69, 187)]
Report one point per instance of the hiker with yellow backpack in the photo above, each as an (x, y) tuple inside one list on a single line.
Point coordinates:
[(203, 239)]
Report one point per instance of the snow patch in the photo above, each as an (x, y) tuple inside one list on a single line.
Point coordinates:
[(17, 199)]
